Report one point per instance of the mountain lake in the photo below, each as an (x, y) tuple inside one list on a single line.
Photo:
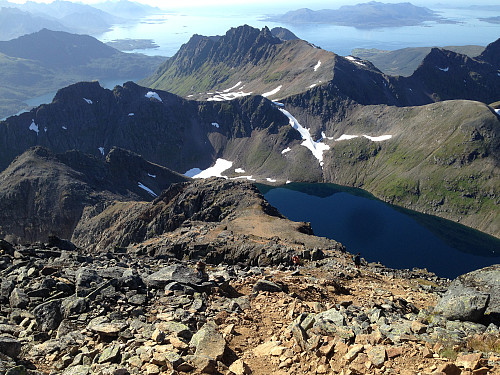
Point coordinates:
[(393, 236)]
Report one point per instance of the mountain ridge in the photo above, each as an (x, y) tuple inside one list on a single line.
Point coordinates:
[(47, 192)]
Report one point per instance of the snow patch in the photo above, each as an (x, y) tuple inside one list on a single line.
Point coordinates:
[(216, 125), (313, 85), (34, 127), (151, 175), (102, 150), (288, 182), (239, 170), (497, 111), (279, 104), (272, 92), (270, 179), (354, 60), (131, 114), (249, 178), (216, 170), (45, 129), (344, 137), (286, 150), (444, 69), (316, 67), (232, 88), (380, 138), (228, 96), (88, 101), (64, 127), (317, 148), (154, 95), (151, 192)]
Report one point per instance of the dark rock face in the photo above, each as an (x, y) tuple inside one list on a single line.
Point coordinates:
[(46, 192), (473, 296), (164, 129)]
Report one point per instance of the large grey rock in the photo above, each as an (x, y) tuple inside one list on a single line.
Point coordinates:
[(48, 315), (329, 321), (208, 342), (74, 305), (178, 273), (472, 295), (18, 299), (10, 346)]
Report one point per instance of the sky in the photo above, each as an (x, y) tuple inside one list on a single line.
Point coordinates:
[(314, 4)]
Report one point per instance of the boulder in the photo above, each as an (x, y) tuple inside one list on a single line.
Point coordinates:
[(208, 342), (48, 315), (10, 346), (18, 299), (177, 273), (471, 296)]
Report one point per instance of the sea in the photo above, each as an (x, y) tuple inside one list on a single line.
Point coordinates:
[(170, 30)]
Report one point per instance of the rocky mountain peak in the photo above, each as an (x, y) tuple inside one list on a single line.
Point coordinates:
[(492, 54)]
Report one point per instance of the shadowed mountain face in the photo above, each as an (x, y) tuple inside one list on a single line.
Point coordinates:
[(406, 60), (42, 193), (162, 127)]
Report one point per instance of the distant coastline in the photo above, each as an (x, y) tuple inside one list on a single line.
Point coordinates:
[(364, 16)]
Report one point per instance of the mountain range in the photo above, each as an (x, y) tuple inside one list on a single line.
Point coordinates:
[(29, 17), (44, 61), (248, 61), (412, 141)]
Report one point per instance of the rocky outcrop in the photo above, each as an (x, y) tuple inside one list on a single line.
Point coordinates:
[(474, 297), (43, 194)]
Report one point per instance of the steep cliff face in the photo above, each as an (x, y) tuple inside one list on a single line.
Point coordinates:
[(160, 126), (42, 193)]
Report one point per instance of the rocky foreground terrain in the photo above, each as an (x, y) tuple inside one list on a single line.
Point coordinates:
[(143, 308)]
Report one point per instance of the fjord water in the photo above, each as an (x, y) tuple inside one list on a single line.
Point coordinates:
[(395, 237), (172, 29)]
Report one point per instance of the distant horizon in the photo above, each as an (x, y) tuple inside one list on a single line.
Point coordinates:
[(318, 4)]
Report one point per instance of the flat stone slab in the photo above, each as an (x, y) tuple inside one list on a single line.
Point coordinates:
[(175, 273)]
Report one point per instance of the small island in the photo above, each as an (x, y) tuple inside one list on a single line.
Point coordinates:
[(494, 20), (132, 44), (366, 15)]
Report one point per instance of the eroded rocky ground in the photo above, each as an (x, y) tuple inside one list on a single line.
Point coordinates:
[(126, 312)]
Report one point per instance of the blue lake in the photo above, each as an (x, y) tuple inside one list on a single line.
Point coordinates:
[(396, 237)]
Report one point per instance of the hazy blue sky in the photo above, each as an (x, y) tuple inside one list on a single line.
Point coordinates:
[(314, 4)]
